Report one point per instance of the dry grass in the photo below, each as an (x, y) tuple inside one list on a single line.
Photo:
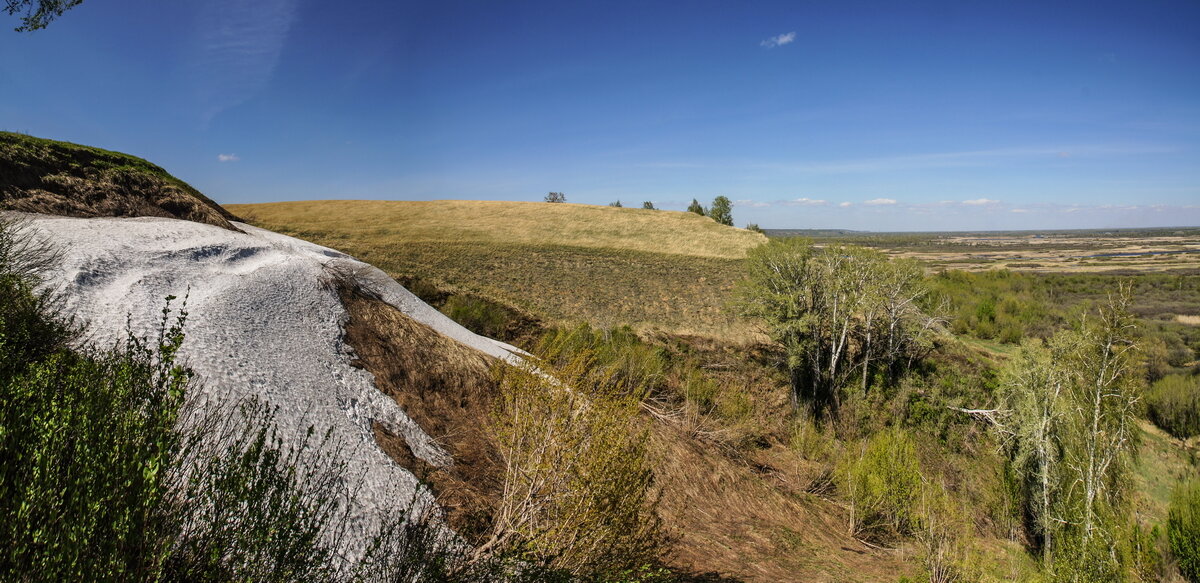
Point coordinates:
[(447, 388), (605, 266), (527, 223), (1187, 319)]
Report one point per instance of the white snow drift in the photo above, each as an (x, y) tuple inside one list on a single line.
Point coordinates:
[(264, 320)]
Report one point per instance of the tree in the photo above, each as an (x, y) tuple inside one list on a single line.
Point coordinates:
[(753, 227), (1069, 420), (38, 14), (648, 206), (616, 204), (722, 211), (696, 207), (556, 197), (837, 311)]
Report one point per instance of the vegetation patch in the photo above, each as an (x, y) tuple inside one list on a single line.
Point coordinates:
[(60, 178)]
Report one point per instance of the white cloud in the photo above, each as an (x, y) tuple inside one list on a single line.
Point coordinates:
[(1019, 210), (806, 202), (845, 204), (980, 201), (751, 203), (880, 201), (779, 40), (227, 158)]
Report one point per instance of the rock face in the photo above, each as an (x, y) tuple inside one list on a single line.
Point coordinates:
[(60, 178), (266, 320)]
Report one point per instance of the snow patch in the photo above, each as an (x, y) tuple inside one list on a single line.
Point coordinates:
[(264, 320)]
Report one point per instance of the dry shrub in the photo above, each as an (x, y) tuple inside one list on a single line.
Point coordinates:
[(577, 478)]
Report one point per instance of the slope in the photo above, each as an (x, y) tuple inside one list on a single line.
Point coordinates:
[(663, 270), (60, 178)]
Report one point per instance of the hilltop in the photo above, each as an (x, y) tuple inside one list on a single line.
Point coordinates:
[(60, 178), (514, 223), (561, 263)]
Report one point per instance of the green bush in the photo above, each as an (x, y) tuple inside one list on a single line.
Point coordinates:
[(883, 485), (1173, 403), (1183, 528)]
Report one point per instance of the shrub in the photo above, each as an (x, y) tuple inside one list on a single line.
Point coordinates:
[(1173, 403), (883, 485), (648, 206), (753, 227), (1183, 528), (577, 478), (697, 208), (556, 197), (615, 203)]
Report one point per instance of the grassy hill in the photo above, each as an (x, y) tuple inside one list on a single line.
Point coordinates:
[(561, 262), (61, 178)]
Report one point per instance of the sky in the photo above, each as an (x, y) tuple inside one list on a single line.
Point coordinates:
[(887, 116)]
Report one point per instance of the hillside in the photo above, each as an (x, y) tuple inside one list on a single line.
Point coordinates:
[(562, 263), (61, 178)]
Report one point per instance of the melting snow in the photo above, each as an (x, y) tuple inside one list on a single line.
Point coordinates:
[(264, 320)]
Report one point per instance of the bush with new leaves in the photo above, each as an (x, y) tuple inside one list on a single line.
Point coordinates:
[(1183, 528)]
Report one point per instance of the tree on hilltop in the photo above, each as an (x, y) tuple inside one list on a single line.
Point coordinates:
[(556, 197), (648, 206), (697, 208), (721, 210)]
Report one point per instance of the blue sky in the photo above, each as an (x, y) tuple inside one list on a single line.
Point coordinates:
[(880, 116)]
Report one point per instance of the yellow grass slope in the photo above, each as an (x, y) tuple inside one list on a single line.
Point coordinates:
[(530, 223)]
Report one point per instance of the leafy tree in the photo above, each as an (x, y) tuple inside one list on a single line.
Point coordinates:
[(1069, 420), (753, 227), (616, 204), (1183, 528), (721, 210), (697, 208), (838, 311), (648, 206), (38, 14), (556, 197)]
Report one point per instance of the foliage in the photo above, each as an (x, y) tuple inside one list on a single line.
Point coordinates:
[(556, 197), (1069, 422), (721, 210), (1173, 403), (883, 486), (648, 205), (697, 208), (577, 475), (1183, 528), (838, 312), (753, 227), (615, 204), (38, 14)]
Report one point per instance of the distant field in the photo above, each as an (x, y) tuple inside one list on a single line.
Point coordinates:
[(1075, 251), (662, 270)]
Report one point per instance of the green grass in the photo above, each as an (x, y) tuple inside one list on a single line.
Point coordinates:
[(1162, 463)]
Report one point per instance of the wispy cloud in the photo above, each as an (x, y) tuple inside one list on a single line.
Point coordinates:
[(227, 158), (806, 202), (239, 47), (779, 40), (751, 203), (980, 201), (880, 201), (845, 204)]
